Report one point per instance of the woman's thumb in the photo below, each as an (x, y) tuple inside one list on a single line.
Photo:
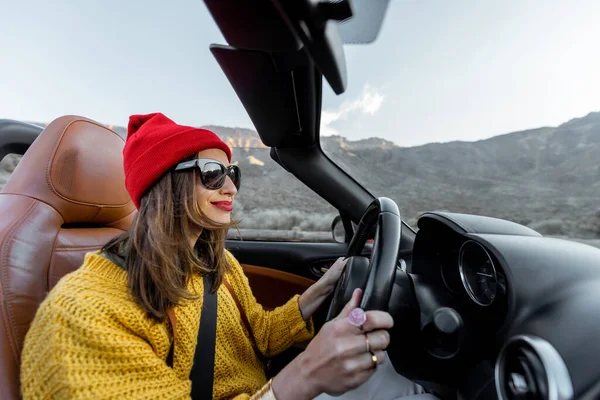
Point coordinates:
[(352, 304)]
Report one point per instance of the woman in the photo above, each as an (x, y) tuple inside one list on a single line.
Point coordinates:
[(125, 325)]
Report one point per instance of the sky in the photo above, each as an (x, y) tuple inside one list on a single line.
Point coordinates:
[(440, 70)]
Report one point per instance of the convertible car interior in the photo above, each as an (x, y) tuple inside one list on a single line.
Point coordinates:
[(484, 308)]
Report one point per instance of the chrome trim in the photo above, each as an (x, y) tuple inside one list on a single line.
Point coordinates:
[(462, 274), (560, 386), (446, 281)]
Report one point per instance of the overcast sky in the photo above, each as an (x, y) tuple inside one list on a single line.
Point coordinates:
[(440, 70)]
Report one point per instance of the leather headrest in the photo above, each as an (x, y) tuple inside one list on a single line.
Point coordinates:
[(76, 166)]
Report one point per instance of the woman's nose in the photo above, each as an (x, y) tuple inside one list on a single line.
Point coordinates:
[(229, 187)]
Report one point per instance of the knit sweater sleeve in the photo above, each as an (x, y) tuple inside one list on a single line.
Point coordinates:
[(276, 330), (79, 347)]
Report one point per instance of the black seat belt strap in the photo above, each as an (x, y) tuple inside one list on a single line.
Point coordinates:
[(203, 371)]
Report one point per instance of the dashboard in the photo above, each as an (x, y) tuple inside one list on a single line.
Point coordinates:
[(498, 311)]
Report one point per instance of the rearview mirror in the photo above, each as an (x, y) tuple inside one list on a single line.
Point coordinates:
[(324, 26), (319, 27)]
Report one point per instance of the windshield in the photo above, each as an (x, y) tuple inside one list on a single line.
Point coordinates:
[(477, 107)]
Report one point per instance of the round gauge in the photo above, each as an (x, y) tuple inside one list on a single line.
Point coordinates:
[(477, 273)]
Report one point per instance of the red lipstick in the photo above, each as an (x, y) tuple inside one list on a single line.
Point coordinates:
[(223, 205)]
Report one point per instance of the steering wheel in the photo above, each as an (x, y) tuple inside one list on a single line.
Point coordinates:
[(375, 276)]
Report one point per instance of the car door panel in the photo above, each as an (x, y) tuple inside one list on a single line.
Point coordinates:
[(298, 258), (273, 287)]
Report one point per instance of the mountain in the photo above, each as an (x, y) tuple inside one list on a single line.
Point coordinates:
[(546, 178)]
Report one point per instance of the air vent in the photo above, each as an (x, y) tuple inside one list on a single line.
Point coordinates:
[(530, 368)]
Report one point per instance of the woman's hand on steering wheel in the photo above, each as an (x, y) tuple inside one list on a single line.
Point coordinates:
[(318, 292), (341, 356), (328, 281)]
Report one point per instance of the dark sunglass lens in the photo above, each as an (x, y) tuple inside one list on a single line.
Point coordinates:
[(235, 175), (213, 175)]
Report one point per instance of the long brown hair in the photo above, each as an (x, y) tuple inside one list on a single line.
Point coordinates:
[(156, 251)]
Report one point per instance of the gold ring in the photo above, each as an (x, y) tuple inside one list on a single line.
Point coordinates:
[(368, 343), (373, 360)]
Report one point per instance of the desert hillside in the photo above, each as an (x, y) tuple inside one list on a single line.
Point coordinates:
[(546, 178)]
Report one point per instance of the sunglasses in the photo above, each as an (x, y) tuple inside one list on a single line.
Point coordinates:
[(212, 172)]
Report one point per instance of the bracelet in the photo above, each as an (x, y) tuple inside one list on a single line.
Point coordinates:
[(265, 393)]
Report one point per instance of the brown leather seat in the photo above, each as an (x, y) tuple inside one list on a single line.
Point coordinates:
[(65, 198)]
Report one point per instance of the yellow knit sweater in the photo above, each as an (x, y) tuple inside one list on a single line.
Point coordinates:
[(90, 340)]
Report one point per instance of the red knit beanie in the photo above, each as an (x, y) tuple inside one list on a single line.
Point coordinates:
[(155, 144)]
